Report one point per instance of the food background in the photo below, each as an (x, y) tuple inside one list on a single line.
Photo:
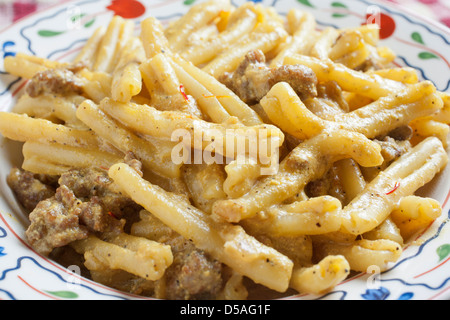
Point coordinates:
[(12, 10)]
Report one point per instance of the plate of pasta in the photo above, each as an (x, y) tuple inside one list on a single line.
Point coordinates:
[(224, 150)]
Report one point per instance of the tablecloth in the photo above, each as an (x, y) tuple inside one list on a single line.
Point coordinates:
[(12, 10)]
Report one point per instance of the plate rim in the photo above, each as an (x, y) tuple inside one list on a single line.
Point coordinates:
[(394, 7)]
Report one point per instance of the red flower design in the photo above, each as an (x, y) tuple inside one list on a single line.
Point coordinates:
[(128, 9), (387, 24)]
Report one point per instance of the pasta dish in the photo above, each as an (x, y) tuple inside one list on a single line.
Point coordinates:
[(235, 153)]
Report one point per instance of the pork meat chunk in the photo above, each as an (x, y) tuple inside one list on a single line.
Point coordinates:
[(28, 189), (61, 81), (253, 79), (94, 185), (55, 222), (193, 274)]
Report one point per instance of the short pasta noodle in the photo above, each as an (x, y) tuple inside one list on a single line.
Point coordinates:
[(233, 152)]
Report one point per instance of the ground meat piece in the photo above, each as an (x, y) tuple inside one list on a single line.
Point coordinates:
[(56, 81), (403, 133), (95, 182), (392, 149), (193, 275), (333, 93), (329, 184), (252, 80), (86, 182), (55, 222), (28, 189), (370, 64), (131, 160), (301, 78), (94, 216)]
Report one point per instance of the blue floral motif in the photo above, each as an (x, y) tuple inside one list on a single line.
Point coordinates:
[(6, 51), (382, 294), (1, 252), (376, 294), (3, 233), (406, 296)]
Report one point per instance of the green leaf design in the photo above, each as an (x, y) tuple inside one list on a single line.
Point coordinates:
[(339, 15), (189, 2), (417, 37), (63, 294), (339, 5), (89, 24), (306, 3), (443, 251), (49, 33), (427, 56), (77, 17)]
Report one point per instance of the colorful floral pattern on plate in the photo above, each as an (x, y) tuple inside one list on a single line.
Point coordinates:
[(59, 33)]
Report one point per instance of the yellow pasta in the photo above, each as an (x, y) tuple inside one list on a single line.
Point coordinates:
[(127, 80), (118, 33), (322, 277), (197, 17), (231, 149), (307, 162), (302, 30), (165, 123), (364, 254), (265, 38), (414, 214), (24, 128), (229, 100), (322, 47), (228, 243), (284, 108), (124, 140), (50, 107), (26, 66), (88, 54), (242, 21), (404, 177), (72, 157), (311, 217), (138, 256), (369, 85)]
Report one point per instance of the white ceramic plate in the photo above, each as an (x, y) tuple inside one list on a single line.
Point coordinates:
[(59, 32)]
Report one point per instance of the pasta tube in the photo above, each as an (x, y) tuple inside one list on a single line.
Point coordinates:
[(320, 278), (139, 256), (309, 161), (24, 128), (146, 151), (368, 85), (227, 243), (404, 177)]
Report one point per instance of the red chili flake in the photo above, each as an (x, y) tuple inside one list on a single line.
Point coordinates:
[(397, 185), (104, 168), (183, 93), (112, 215), (217, 97)]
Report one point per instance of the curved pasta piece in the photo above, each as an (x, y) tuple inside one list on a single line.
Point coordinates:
[(196, 133), (284, 108), (309, 161), (315, 216), (321, 277), (404, 177), (139, 256), (414, 214), (227, 243), (363, 254)]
